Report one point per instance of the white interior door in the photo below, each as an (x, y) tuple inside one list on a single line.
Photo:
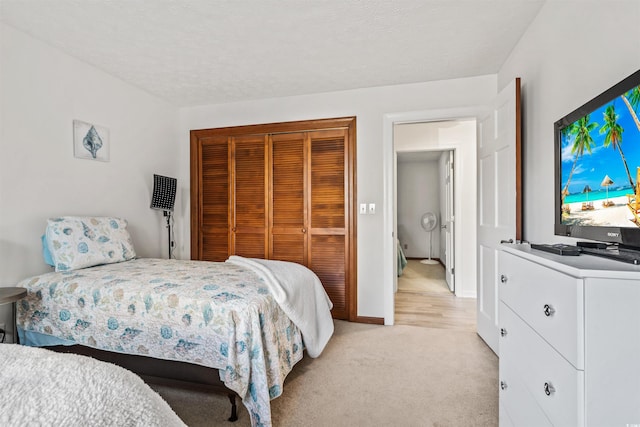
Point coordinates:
[(448, 225), (498, 200)]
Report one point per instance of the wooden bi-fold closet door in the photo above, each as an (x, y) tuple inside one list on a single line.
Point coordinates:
[(248, 195), (289, 195), (289, 208), (328, 227)]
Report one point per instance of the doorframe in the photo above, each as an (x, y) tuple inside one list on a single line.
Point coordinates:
[(449, 201), (390, 198)]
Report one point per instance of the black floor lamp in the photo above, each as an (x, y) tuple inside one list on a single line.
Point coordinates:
[(164, 197)]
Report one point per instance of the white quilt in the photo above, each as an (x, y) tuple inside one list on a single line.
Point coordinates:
[(300, 294), (44, 388)]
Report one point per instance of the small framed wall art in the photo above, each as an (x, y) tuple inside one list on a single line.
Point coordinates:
[(90, 141)]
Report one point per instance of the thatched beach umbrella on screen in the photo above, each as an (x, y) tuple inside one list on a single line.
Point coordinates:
[(606, 182)]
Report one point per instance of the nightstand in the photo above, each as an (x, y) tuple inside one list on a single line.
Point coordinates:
[(12, 295)]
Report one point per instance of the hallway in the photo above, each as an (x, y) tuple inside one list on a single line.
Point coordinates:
[(423, 299)]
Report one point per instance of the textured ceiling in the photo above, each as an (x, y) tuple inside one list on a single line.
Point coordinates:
[(193, 52)]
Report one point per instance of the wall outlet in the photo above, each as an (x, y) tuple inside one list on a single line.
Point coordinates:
[(406, 246)]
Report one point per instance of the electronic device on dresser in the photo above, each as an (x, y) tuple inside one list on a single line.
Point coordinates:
[(597, 176)]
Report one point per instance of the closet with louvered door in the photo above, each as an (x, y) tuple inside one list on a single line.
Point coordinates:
[(289, 195)]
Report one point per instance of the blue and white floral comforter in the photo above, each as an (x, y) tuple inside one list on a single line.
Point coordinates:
[(214, 314)]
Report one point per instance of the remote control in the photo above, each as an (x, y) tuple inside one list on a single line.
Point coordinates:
[(558, 249)]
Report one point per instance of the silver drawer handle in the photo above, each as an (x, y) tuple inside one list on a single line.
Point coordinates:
[(549, 389), (503, 278), (503, 385), (548, 310), (503, 332)]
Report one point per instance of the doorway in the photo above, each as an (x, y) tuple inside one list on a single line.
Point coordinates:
[(425, 197), (437, 131)]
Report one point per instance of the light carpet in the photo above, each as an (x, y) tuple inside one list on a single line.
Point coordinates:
[(372, 375)]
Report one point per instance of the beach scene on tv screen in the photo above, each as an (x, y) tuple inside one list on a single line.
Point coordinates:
[(600, 169)]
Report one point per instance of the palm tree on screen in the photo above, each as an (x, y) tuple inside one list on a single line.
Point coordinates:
[(581, 130), (632, 101), (613, 136)]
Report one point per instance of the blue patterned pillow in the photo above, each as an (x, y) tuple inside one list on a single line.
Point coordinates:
[(79, 242), (45, 251)]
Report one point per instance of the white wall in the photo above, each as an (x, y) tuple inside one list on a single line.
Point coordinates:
[(573, 51), (370, 107), (418, 192), (43, 91)]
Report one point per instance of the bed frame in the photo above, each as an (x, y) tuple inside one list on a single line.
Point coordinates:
[(163, 372)]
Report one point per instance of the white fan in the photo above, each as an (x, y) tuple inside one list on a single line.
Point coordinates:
[(428, 221)]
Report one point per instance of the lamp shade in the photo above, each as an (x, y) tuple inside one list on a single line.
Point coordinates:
[(164, 192)]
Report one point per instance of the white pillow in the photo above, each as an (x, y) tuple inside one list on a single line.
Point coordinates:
[(79, 242)]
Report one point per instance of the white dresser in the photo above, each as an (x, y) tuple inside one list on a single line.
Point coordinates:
[(570, 340)]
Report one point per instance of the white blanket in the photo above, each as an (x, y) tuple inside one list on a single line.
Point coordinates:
[(39, 387), (301, 296)]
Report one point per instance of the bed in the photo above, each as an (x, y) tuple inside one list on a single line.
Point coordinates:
[(41, 387), (248, 319)]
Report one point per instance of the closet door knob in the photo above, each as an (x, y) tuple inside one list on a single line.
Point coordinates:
[(549, 389), (503, 278), (503, 385), (233, 229), (503, 332), (548, 310), (304, 230)]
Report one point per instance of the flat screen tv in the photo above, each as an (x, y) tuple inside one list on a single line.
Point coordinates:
[(597, 156)]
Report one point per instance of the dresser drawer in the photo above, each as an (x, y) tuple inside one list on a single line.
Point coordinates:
[(518, 408), (550, 381), (547, 300)]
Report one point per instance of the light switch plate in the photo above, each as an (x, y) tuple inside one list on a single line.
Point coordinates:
[(372, 208), (363, 208)]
